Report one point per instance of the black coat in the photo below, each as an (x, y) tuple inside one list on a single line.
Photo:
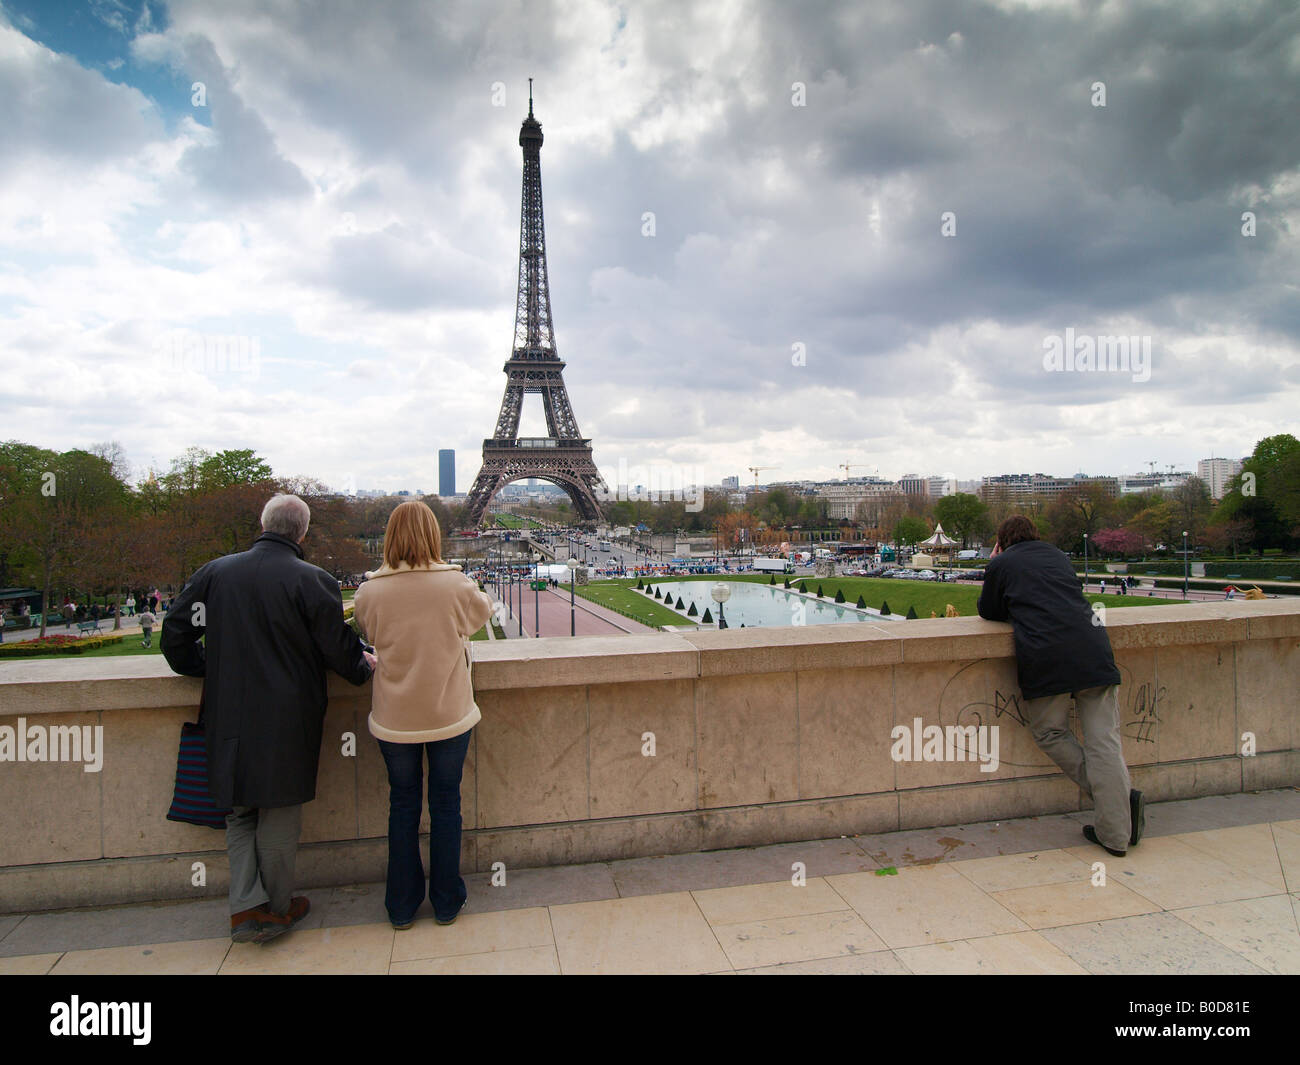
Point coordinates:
[(272, 623), (1059, 648)]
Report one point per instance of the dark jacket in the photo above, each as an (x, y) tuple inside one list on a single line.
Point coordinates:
[(273, 623), (1059, 648)]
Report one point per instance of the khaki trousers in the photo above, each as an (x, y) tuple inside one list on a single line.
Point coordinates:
[(1097, 765)]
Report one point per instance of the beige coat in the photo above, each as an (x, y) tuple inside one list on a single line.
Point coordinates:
[(420, 621)]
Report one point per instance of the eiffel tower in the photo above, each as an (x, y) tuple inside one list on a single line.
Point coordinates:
[(562, 457)]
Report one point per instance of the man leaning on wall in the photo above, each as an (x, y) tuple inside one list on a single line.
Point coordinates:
[(1062, 651), (273, 623)]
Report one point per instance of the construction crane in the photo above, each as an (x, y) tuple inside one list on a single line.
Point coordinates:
[(846, 466), (755, 470)]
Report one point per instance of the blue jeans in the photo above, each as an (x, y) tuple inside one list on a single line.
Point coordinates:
[(405, 763)]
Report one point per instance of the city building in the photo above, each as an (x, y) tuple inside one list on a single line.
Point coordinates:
[(446, 472), (843, 498), (1024, 485), (731, 484), (942, 486), (1217, 474), (910, 484)]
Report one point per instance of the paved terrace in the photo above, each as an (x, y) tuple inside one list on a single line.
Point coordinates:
[(601, 760), (1214, 888)]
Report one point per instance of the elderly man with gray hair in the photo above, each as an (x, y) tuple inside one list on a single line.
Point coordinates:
[(271, 624)]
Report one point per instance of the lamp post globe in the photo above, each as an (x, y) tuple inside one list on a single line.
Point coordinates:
[(720, 593)]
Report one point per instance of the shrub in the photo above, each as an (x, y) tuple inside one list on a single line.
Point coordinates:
[(707, 617), (861, 603), (839, 595), (691, 611), (820, 593), (911, 613), (884, 607)]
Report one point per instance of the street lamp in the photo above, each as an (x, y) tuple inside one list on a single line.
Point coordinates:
[(573, 570), (1186, 564), (1085, 562), (720, 593)]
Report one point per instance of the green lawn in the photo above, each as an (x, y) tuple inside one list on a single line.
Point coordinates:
[(619, 597)]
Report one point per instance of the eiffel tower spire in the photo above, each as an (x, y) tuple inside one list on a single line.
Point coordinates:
[(564, 456)]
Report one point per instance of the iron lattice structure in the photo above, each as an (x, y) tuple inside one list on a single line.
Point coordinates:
[(563, 457)]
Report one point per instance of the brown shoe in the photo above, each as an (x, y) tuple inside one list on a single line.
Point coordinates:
[(275, 925), (245, 926)]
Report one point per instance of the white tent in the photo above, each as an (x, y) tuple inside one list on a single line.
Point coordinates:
[(938, 539)]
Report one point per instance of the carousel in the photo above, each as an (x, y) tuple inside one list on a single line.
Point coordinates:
[(939, 544)]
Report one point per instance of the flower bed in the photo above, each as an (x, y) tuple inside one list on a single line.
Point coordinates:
[(70, 645)]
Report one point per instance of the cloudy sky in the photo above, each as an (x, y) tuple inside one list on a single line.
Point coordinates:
[(779, 234)]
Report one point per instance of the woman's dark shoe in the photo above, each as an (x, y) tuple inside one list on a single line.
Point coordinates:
[(1090, 834), (401, 926), (452, 918), (1137, 807)]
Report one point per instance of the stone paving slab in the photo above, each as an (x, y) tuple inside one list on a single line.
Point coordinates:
[(1205, 900)]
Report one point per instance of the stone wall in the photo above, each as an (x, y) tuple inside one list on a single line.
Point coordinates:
[(759, 736)]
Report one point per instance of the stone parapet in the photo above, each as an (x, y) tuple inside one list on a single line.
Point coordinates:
[(596, 748)]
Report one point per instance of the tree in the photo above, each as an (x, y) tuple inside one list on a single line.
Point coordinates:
[(1118, 541), (910, 529), (961, 514), (227, 468), (57, 502)]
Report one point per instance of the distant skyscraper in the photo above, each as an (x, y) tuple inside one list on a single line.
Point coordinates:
[(1216, 473), (446, 473), (731, 484)]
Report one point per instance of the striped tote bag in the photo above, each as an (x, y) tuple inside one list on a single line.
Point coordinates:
[(190, 799)]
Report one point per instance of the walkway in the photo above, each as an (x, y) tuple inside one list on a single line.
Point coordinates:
[(1214, 888), (590, 619)]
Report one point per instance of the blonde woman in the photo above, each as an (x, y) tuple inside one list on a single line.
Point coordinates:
[(419, 613)]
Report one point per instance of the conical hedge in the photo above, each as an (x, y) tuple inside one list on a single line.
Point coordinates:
[(884, 607), (820, 593), (691, 611), (772, 579), (786, 584), (657, 595), (911, 613), (861, 604), (638, 583), (707, 617), (839, 595), (680, 604)]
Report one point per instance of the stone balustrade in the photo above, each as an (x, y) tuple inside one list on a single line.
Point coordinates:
[(614, 747)]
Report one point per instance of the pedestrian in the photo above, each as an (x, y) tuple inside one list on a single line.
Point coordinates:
[(1061, 653), (69, 613), (273, 624), (1103, 586), (147, 622), (130, 606), (420, 612)]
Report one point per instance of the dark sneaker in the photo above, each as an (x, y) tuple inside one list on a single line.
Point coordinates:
[(245, 926), (1090, 834), (1137, 807), (402, 926), (275, 925)]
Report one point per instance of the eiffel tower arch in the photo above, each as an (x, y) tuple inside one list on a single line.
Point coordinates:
[(563, 457)]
